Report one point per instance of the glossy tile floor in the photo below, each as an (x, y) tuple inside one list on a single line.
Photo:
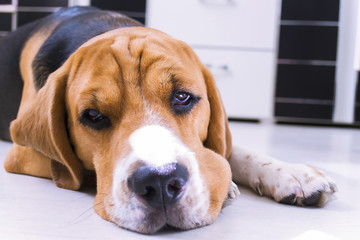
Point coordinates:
[(33, 208)]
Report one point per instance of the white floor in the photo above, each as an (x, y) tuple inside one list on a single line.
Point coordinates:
[(33, 208)]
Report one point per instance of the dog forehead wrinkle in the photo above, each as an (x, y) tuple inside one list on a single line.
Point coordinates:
[(156, 145)]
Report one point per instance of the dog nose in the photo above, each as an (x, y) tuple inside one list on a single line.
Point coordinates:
[(161, 186)]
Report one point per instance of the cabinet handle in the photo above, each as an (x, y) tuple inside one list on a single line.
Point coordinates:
[(218, 69), (357, 44), (219, 2)]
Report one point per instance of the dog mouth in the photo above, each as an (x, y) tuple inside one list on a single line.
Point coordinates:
[(169, 228), (152, 221)]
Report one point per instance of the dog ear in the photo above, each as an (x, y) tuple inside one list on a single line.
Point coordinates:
[(219, 137), (42, 125)]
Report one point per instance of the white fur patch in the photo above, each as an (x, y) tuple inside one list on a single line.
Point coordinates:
[(156, 145)]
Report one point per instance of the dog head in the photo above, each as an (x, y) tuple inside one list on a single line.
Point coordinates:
[(138, 108)]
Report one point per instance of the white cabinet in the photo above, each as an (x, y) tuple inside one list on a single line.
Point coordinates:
[(241, 23), (236, 39), (244, 79)]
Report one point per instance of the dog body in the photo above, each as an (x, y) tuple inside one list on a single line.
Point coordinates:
[(103, 94)]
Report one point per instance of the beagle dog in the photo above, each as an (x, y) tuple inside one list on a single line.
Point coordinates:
[(92, 91)]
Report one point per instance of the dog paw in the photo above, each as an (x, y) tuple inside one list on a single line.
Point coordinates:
[(233, 191), (232, 194), (295, 184)]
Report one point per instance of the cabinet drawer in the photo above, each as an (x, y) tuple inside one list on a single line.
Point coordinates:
[(230, 23), (5, 21), (245, 81), (310, 10)]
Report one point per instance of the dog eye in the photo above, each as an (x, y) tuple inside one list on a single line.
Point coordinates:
[(181, 98), (94, 115), (182, 102), (95, 119)]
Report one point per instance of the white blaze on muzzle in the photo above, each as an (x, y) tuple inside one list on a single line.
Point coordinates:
[(157, 146)]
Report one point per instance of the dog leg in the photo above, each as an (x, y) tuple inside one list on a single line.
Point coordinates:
[(25, 160), (287, 183)]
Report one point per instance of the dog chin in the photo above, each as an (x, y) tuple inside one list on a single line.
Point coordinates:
[(146, 221), (150, 223)]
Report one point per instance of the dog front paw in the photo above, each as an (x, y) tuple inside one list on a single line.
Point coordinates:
[(295, 184), (233, 191)]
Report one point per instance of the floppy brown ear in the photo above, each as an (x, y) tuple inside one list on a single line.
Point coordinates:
[(41, 125), (219, 137)]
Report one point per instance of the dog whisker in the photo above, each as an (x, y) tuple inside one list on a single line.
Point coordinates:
[(74, 200), (83, 215)]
